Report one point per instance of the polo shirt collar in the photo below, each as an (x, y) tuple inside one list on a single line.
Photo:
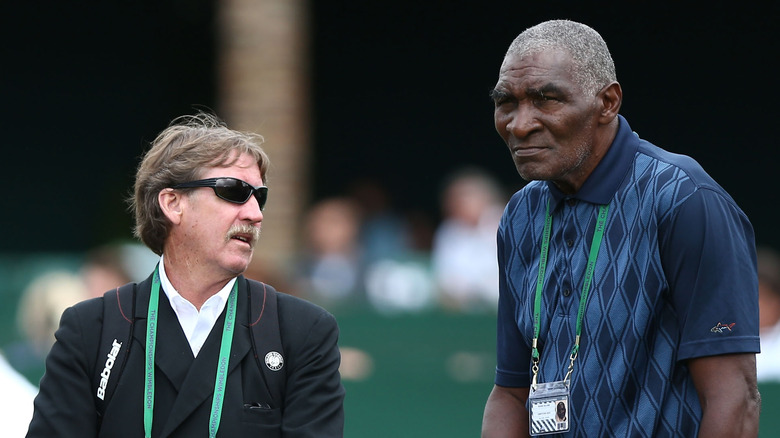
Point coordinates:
[(606, 178)]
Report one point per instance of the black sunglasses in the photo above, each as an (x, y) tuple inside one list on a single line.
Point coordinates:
[(230, 189)]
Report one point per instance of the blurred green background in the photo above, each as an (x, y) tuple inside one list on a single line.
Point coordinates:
[(432, 373)]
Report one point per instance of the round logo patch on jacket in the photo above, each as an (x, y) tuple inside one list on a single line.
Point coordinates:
[(274, 361)]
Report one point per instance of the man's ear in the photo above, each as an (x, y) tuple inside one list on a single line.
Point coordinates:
[(610, 98), (171, 204)]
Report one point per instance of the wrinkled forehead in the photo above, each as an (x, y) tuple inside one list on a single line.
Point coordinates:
[(537, 70), (233, 158), (544, 58)]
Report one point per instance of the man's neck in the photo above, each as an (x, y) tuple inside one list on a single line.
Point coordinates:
[(601, 145), (193, 283)]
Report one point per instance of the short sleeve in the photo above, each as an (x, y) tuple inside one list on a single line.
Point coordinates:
[(708, 253)]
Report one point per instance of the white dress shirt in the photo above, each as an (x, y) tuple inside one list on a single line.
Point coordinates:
[(196, 325)]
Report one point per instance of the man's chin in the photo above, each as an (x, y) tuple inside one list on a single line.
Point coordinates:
[(239, 264), (530, 174), (528, 170)]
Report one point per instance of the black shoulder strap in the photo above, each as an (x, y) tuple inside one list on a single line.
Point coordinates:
[(115, 340), (266, 338)]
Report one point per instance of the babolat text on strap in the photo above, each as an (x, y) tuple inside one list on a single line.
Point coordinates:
[(115, 341)]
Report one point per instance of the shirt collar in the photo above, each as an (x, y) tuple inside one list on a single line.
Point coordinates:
[(219, 299), (604, 181)]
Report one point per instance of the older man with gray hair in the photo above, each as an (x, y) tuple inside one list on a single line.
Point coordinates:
[(628, 287)]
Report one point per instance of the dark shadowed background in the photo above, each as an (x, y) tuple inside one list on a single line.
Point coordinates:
[(399, 94)]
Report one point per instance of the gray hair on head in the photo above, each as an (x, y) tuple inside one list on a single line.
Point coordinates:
[(593, 65), (179, 154)]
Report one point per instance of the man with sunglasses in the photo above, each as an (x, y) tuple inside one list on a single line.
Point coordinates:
[(202, 359)]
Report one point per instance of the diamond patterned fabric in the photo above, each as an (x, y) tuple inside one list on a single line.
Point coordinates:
[(648, 307)]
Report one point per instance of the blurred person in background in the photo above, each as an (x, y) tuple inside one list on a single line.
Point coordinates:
[(331, 265), (111, 265), (38, 315), (395, 248), (768, 361), (464, 244), (193, 365), (104, 269), (384, 232)]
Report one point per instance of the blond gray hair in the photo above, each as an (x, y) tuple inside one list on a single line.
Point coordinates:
[(179, 154)]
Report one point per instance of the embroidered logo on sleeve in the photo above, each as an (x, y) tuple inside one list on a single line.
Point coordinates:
[(720, 328)]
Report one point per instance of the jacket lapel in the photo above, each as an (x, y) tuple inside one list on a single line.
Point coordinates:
[(173, 355), (197, 385)]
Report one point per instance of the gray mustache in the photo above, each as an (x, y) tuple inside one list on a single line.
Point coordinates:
[(244, 229)]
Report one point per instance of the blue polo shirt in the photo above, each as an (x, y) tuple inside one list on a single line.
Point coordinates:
[(675, 279)]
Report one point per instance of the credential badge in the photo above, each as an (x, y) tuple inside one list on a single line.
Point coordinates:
[(274, 361)]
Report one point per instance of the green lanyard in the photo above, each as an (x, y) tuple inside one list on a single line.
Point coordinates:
[(222, 365), (598, 235)]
